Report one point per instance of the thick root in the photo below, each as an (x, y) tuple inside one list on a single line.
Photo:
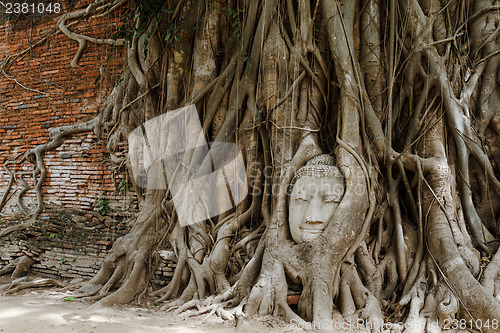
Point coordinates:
[(415, 323), (354, 295), (20, 284), (19, 267), (22, 267), (9, 268)]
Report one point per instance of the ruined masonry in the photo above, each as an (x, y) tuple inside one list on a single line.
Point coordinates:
[(42, 91)]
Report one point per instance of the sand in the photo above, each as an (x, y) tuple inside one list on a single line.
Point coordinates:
[(46, 311)]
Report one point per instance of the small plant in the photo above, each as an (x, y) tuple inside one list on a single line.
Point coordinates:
[(52, 236), (62, 261), (234, 17), (172, 28), (123, 186), (102, 205)]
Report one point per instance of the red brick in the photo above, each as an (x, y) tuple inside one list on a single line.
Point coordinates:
[(75, 181)]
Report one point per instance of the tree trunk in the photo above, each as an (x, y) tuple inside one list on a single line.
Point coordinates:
[(407, 105)]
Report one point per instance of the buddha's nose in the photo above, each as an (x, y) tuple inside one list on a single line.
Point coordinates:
[(313, 215)]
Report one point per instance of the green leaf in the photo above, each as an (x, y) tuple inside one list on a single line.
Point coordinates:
[(73, 259), (167, 36), (166, 10), (63, 261), (157, 303), (70, 298), (177, 38), (52, 236), (123, 186)]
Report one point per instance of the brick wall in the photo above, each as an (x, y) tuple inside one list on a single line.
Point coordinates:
[(39, 92), (71, 244), (43, 92)]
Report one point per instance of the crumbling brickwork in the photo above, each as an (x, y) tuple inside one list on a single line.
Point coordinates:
[(71, 244), (41, 91)]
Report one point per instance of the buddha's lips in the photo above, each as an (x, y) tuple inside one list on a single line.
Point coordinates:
[(312, 230)]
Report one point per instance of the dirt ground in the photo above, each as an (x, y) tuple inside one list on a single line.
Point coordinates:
[(46, 311)]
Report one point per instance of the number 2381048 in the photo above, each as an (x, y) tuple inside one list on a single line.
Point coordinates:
[(25, 8), (455, 324)]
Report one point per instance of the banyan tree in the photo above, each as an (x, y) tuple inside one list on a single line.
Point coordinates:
[(368, 134)]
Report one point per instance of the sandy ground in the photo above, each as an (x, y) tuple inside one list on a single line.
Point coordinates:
[(46, 311)]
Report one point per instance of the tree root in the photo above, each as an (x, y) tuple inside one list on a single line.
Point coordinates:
[(9, 268), (490, 276), (20, 284), (35, 156), (278, 95), (19, 267), (208, 308), (415, 322), (22, 267), (82, 39), (354, 295), (125, 266)]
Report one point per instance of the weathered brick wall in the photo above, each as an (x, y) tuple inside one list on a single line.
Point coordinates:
[(71, 244), (41, 91), (65, 244)]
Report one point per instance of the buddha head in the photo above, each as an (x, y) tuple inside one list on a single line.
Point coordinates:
[(314, 194)]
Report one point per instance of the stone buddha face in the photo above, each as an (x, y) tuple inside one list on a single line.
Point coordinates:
[(315, 194)]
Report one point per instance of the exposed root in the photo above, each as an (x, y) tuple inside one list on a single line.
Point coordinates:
[(415, 322), (35, 156), (22, 267), (22, 283), (82, 39), (490, 276), (290, 98), (19, 267), (9, 268), (354, 295)]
